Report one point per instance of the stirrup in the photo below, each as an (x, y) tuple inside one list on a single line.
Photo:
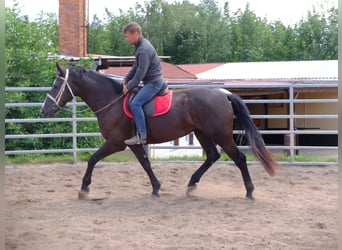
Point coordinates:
[(135, 140)]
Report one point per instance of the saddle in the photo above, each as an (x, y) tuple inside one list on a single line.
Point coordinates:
[(159, 105)]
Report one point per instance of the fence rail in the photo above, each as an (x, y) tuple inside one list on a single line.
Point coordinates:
[(291, 116)]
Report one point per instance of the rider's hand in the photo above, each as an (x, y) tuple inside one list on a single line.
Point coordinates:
[(124, 89)]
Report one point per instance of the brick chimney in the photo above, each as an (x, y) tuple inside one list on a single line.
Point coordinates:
[(73, 28)]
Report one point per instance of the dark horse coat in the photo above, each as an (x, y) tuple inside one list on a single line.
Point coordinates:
[(209, 113)]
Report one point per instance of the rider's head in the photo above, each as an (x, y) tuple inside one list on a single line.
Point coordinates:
[(132, 32)]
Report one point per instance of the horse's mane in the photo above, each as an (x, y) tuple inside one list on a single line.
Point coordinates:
[(102, 78)]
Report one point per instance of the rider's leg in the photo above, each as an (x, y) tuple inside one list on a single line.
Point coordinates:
[(147, 93)]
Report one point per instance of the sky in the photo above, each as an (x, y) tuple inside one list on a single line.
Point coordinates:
[(288, 12)]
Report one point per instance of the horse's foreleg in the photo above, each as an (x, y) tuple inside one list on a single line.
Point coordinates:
[(107, 148), (212, 156), (142, 156)]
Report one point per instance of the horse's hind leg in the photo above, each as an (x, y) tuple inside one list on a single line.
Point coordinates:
[(240, 161), (107, 148), (212, 156), (142, 156)]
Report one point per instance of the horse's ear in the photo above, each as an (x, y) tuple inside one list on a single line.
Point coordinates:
[(59, 69)]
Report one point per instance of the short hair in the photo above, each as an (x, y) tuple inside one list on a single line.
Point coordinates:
[(132, 27)]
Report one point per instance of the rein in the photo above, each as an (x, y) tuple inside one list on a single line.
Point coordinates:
[(58, 97), (109, 104)]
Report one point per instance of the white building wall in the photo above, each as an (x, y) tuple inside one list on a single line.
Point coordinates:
[(168, 153)]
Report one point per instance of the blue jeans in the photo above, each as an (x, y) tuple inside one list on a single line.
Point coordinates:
[(147, 93)]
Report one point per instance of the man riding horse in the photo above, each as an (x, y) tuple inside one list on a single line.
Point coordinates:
[(147, 69)]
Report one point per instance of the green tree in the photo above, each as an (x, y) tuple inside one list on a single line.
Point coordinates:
[(249, 33), (204, 33), (98, 42), (316, 36), (215, 44), (28, 45), (277, 42), (195, 34)]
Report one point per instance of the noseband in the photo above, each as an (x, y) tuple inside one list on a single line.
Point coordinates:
[(58, 97)]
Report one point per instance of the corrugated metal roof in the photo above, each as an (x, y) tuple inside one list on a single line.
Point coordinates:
[(286, 70)]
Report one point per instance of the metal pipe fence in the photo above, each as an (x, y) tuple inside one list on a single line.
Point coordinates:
[(291, 132)]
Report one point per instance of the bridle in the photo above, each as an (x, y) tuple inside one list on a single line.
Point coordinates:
[(58, 97)]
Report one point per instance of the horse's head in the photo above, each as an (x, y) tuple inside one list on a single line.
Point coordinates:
[(61, 93), (96, 89)]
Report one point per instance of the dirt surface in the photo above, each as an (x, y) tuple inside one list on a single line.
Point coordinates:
[(296, 209)]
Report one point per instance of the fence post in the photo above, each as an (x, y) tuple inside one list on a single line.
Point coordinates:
[(74, 131), (292, 128)]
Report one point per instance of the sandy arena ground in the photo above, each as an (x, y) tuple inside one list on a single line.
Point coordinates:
[(296, 209)]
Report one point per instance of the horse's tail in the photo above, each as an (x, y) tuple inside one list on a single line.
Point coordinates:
[(243, 121)]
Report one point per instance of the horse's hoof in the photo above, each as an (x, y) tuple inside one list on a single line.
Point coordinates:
[(155, 195), (250, 197), (190, 189), (82, 195), (155, 192), (249, 194)]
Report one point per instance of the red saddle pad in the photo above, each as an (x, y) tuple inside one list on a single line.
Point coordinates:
[(162, 104)]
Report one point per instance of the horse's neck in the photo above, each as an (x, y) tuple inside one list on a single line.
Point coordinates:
[(97, 96)]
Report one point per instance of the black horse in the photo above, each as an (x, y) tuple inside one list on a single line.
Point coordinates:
[(209, 113)]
